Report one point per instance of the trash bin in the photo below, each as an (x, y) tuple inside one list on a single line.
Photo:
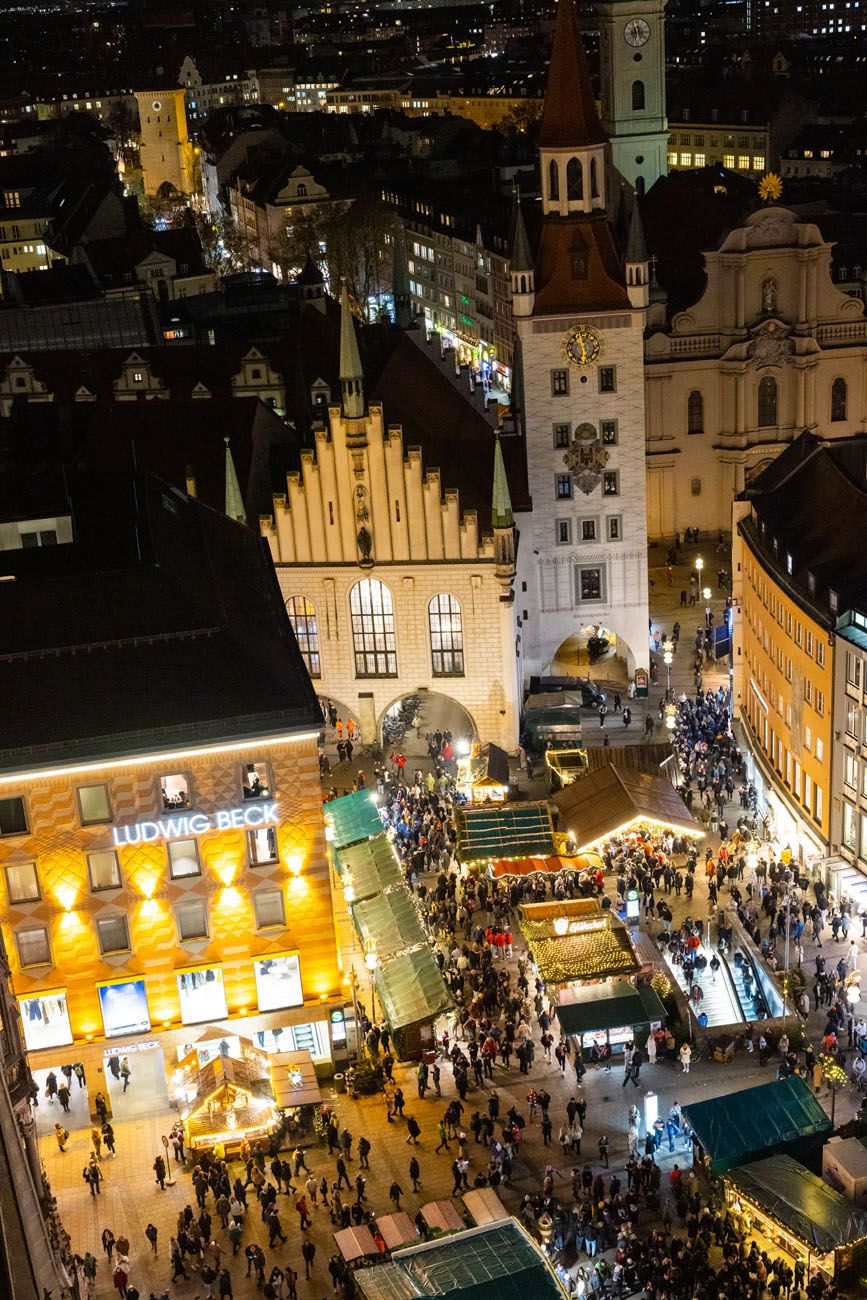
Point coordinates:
[(340, 1083)]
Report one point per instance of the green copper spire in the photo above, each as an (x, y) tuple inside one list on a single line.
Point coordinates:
[(234, 500)]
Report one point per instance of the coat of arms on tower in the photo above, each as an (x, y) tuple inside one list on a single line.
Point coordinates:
[(586, 458)]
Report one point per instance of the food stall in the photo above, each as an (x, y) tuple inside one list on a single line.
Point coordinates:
[(356, 1244), (442, 1217), (563, 766), (484, 1206), (483, 775), (574, 939), (397, 1230), (610, 1016), (619, 803), (232, 1103), (296, 1094), (496, 832)]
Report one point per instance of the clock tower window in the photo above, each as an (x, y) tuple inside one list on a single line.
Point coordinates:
[(638, 99), (594, 179), (553, 181), (574, 179)]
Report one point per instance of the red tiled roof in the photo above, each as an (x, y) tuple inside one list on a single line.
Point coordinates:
[(569, 116), (578, 268)]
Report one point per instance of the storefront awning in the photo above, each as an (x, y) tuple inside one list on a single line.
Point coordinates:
[(742, 1126), (533, 866), (369, 866), (611, 800), (627, 1006), (518, 830), (389, 922), (293, 1078), (353, 818), (411, 989), (801, 1202)]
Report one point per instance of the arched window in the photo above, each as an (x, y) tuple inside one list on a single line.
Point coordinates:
[(594, 180), (302, 191), (695, 412), (638, 96), (446, 636), (553, 180), (767, 403), (838, 399), (302, 616), (372, 612), (574, 179)]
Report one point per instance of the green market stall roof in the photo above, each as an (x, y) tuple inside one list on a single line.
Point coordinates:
[(742, 1126), (611, 800), (411, 989), (801, 1202), (497, 1262), (627, 1005), (514, 830), (369, 866), (575, 939), (389, 922), (354, 817)]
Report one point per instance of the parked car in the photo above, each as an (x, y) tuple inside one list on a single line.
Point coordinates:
[(591, 696)]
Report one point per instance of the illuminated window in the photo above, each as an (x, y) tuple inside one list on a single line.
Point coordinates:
[(94, 804), (103, 870), (686, 159), (758, 162), (22, 883), (729, 161), (183, 859), (302, 616), (373, 637), (256, 781), (699, 160), (174, 791), (446, 636), (743, 162), (262, 846)]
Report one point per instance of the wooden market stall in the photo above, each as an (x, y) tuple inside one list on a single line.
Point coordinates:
[(296, 1094), (442, 1217), (484, 1206), (397, 1230), (233, 1102), (483, 776), (356, 1244)]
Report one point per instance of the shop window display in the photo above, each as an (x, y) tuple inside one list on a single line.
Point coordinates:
[(45, 1020), (124, 1007), (202, 995), (278, 982)]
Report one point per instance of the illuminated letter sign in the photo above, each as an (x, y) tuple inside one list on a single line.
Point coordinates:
[(175, 828)]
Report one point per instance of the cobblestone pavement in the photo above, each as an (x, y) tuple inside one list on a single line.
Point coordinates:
[(130, 1199)]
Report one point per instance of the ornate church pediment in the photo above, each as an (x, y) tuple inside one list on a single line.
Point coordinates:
[(771, 344)]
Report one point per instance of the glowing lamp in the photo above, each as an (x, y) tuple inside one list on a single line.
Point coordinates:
[(699, 564), (667, 658), (371, 957), (462, 748), (295, 862), (561, 925), (89, 1037), (706, 593), (349, 893), (329, 833), (669, 721)]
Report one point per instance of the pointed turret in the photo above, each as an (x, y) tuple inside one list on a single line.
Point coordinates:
[(572, 143), (312, 284), (503, 524), (400, 281), (234, 500), (521, 267), (637, 261), (351, 374)]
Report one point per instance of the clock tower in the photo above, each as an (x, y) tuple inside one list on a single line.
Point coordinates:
[(579, 310), (632, 67)]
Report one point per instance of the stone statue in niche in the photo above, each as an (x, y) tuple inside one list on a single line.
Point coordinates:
[(769, 296), (365, 544)]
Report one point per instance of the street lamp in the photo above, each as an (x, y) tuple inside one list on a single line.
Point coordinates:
[(705, 591), (667, 659), (371, 961), (699, 565), (670, 715)]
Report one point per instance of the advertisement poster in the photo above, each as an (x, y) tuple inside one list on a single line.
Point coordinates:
[(202, 995), (124, 1008), (278, 982), (45, 1020)]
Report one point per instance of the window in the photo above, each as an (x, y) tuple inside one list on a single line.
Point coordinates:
[(820, 702), (33, 947), (608, 379), (611, 483), (850, 772), (446, 636), (699, 160), (270, 908), (838, 400), (563, 532), (820, 653), (615, 528), (256, 782), (113, 934), (559, 383), (93, 804), (853, 669), (808, 739), (563, 487), (103, 870), (574, 179), (609, 432), (589, 585), (13, 817), (695, 412), (22, 883), (820, 750), (553, 180), (808, 790), (588, 530), (191, 918), (594, 179), (373, 629), (561, 436), (638, 96), (808, 644), (729, 161), (767, 403), (302, 616), (743, 162), (808, 692), (183, 859), (849, 825), (175, 791), (262, 846), (758, 162)]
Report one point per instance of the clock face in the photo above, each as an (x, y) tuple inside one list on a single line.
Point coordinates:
[(581, 347), (157, 105), (636, 32)]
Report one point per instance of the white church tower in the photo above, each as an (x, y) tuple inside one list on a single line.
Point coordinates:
[(632, 64), (580, 314)]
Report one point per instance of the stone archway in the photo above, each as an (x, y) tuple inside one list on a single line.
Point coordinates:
[(597, 652), (406, 721)]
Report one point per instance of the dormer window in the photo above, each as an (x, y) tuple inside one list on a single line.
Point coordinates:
[(833, 601), (790, 564), (811, 583)]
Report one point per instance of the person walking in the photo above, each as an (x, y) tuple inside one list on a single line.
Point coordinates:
[(63, 1097), (159, 1168), (78, 1071), (395, 1192), (308, 1254), (93, 1177), (225, 1285), (152, 1232), (125, 1073), (412, 1128), (363, 1152), (120, 1279), (415, 1173), (685, 1057), (108, 1139), (96, 1139), (108, 1242)]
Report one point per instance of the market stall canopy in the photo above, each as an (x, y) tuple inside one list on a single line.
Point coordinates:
[(369, 866), (489, 766), (800, 1201), (639, 758), (742, 1126), (500, 1262), (576, 939), (441, 1216), (519, 830), (626, 1005), (389, 921), (397, 1229), (411, 989), (293, 1078), (355, 1243), (611, 800), (485, 1206), (532, 866), (353, 818)]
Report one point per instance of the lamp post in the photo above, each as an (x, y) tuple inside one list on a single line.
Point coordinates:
[(371, 961), (670, 715), (834, 1075), (667, 659)]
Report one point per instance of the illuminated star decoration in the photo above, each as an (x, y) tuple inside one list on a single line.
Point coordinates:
[(770, 188)]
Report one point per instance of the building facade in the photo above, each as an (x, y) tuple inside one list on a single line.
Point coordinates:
[(632, 74), (580, 310), (167, 154)]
